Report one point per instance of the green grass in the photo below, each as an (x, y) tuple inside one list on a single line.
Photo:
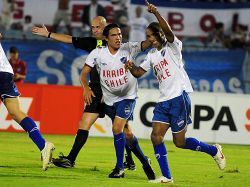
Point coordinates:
[(20, 165)]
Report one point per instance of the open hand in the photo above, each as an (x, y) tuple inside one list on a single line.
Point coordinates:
[(41, 31)]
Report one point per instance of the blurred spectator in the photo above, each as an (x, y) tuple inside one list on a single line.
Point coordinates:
[(62, 15), (91, 11), (27, 24), (19, 66), (217, 37), (239, 36), (6, 13), (138, 26), (124, 28), (120, 9)]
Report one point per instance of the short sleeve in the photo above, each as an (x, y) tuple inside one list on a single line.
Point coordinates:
[(92, 58), (85, 43), (146, 64), (133, 47), (176, 46)]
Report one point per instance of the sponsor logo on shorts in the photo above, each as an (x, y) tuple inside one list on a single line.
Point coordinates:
[(127, 110), (180, 123)]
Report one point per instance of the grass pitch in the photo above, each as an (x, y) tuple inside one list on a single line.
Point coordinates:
[(20, 165)]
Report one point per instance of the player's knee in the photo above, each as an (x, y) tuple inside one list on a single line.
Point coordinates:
[(116, 129), (13, 114), (179, 143), (156, 138), (128, 135)]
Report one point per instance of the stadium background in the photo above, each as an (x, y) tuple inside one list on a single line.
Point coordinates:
[(220, 76)]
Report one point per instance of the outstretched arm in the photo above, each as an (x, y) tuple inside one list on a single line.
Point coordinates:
[(135, 71), (163, 23), (43, 31), (88, 93)]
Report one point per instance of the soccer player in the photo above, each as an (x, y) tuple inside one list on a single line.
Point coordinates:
[(9, 95), (174, 106), (93, 109), (119, 91)]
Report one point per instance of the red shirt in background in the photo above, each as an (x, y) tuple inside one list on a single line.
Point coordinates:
[(19, 67)]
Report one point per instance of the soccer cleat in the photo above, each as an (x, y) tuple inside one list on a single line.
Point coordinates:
[(46, 154), (129, 164), (63, 162), (117, 173), (219, 157), (149, 170), (162, 179)]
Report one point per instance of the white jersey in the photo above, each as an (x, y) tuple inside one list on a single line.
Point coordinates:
[(137, 29), (4, 62), (116, 82), (169, 70)]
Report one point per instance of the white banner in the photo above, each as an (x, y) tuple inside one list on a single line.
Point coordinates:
[(185, 21), (221, 118)]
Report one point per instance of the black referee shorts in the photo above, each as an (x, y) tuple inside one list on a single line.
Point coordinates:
[(96, 106)]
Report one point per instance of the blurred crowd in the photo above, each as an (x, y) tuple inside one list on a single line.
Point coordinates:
[(133, 30)]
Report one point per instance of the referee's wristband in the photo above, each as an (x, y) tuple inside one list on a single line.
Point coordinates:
[(49, 34)]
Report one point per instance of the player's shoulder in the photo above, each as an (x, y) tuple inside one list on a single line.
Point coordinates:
[(152, 51), (101, 47), (100, 50)]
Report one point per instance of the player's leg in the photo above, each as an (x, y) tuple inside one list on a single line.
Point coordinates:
[(129, 162), (195, 145), (90, 115), (180, 118), (88, 119), (120, 113), (157, 138), (46, 148), (133, 144), (119, 143)]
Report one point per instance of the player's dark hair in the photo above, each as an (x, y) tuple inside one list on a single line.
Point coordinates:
[(108, 28), (157, 31)]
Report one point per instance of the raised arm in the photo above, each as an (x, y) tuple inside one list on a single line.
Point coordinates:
[(88, 93), (135, 71), (43, 31), (163, 23)]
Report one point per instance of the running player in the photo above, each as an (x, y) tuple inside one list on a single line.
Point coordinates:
[(9, 95)]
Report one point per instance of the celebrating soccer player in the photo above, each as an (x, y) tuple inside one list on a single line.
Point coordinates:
[(119, 91), (174, 106)]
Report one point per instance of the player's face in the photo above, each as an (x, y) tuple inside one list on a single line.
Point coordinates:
[(97, 29), (115, 38), (153, 40)]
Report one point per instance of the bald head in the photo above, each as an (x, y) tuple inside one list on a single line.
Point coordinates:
[(99, 20), (97, 25)]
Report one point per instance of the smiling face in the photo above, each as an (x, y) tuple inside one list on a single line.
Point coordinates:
[(114, 39), (153, 39)]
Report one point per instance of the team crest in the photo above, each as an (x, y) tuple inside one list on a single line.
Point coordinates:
[(123, 60), (163, 52)]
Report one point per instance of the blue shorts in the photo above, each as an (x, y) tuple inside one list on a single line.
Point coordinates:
[(7, 86), (122, 109), (176, 112)]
